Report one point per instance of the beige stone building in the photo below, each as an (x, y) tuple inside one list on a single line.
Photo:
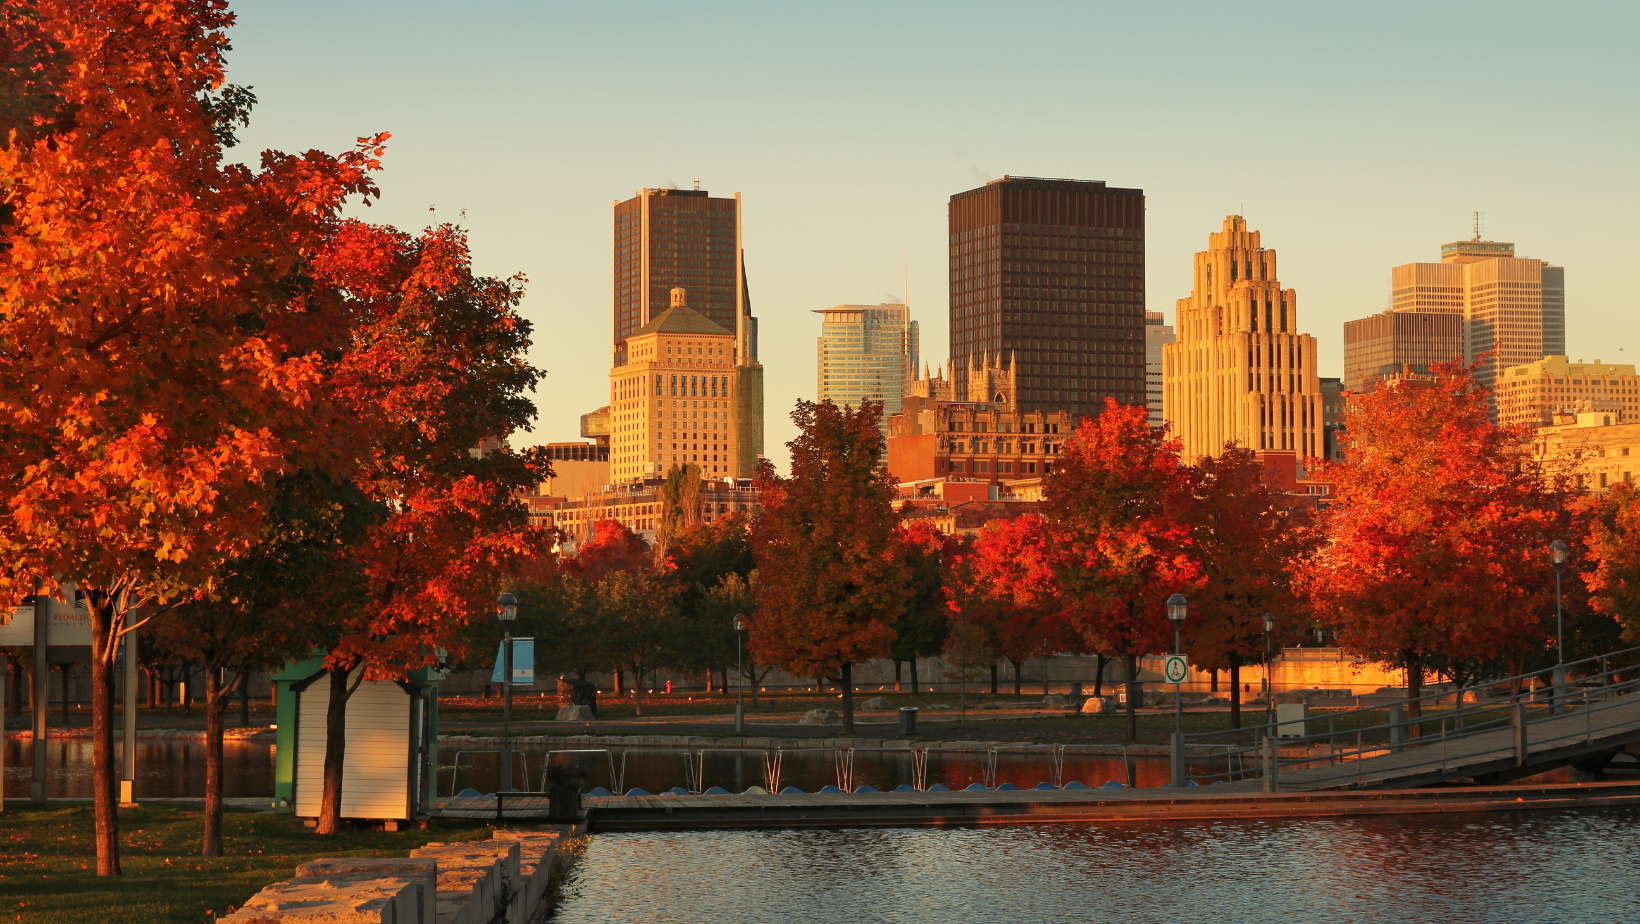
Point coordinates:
[(1514, 309), (1532, 393), (685, 394), (1603, 451), (1240, 370)]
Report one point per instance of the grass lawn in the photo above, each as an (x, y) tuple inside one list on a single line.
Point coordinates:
[(48, 864)]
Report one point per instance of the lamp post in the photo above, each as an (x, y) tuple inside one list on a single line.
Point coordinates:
[(1176, 610), (1557, 555), (740, 681), (1269, 685), (506, 610)]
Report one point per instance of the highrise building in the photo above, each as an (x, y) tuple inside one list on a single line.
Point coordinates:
[(1514, 309), (1157, 335), (1533, 393), (866, 351), (1052, 274), (1332, 419), (1240, 370), (1387, 342), (681, 238), (684, 397)]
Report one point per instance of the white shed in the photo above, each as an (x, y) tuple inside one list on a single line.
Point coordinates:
[(388, 759)]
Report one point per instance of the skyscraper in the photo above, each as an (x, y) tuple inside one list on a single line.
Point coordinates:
[(866, 351), (1241, 370), (681, 238), (1514, 309), (1386, 342), (1157, 335), (1052, 274)]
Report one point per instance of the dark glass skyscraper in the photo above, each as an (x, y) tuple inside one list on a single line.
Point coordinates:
[(680, 238), (1049, 275)]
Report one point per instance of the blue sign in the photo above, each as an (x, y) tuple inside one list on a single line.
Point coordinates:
[(523, 661)]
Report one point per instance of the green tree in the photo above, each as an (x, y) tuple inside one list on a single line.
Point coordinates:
[(921, 630)]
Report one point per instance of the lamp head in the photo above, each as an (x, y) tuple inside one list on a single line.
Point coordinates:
[(739, 625), (1176, 609), (506, 608), (1557, 552), (1269, 623)]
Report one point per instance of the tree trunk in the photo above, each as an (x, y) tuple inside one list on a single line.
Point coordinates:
[(709, 682), (1099, 675), (330, 806), (897, 664), (1415, 689), (914, 687), (215, 704), (1131, 665), (848, 698), (993, 680), (245, 700), (617, 683), (1018, 681), (14, 698), (819, 685), (637, 691), (1235, 691), (1214, 686), (104, 785), (187, 688)]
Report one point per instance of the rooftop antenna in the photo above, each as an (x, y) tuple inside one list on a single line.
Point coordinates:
[(1477, 226), (697, 182)]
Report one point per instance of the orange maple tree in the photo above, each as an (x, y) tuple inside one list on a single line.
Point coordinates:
[(159, 360), (1435, 553), (1120, 501), (1010, 584)]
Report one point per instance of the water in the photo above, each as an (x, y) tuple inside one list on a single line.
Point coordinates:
[(165, 768), (1526, 867)]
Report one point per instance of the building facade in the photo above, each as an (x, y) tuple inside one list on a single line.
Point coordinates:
[(1157, 335), (866, 352), (1513, 309), (1052, 273), (680, 238), (1532, 393), (1600, 450), (987, 438), (637, 505), (1240, 370), (1332, 419), (682, 397), (1384, 343)]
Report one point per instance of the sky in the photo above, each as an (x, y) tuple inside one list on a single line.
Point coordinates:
[(1355, 137)]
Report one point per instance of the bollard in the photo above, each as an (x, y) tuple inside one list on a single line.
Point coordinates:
[(908, 721), (1178, 759)]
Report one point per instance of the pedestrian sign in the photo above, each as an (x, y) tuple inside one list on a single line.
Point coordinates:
[(1176, 669)]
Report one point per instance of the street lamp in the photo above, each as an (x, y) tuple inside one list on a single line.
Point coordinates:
[(506, 610), (1557, 554), (1269, 686), (1176, 610), (740, 682)]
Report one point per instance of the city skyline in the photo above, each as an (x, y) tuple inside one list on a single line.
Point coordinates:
[(517, 127)]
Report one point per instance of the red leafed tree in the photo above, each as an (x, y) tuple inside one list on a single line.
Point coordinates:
[(1120, 503), (611, 547), (921, 630), (1613, 579), (1435, 549), (831, 580), (434, 368), (1012, 562), (1247, 544), (159, 362)]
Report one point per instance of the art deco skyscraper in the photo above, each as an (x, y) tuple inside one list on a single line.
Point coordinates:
[(1052, 274), (1240, 369)]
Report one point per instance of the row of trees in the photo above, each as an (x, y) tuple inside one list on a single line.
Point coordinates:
[(235, 418)]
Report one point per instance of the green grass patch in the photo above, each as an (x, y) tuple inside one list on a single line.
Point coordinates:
[(48, 862)]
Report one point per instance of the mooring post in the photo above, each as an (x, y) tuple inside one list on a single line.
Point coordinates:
[(1178, 758)]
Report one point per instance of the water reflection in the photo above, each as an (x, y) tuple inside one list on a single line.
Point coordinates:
[(165, 768), (1533, 866)]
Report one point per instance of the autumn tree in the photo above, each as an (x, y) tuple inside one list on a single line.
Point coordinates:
[(921, 630), (1612, 578), (1013, 563), (1119, 500), (1246, 543), (831, 579), (1435, 553), (699, 559), (160, 354)]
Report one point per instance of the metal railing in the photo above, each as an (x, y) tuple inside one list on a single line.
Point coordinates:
[(614, 774), (1598, 690), (455, 768)]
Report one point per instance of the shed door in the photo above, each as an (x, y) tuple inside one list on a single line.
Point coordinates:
[(376, 762)]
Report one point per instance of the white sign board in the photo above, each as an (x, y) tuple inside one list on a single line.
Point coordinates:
[(1176, 669), (70, 624)]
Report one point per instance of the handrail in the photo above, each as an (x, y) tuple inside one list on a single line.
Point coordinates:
[(455, 768), (988, 762), (919, 763), (614, 776), (688, 764), (1056, 755), (771, 766)]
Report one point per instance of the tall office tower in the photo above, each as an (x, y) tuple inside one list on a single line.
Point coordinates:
[(866, 351), (1384, 343), (1157, 335), (681, 238), (1332, 419), (1241, 370), (1052, 274), (681, 397), (1514, 309)]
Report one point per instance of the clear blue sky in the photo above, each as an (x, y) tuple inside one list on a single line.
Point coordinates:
[(1355, 137)]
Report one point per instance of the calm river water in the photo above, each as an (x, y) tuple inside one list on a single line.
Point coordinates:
[(1530, 867)]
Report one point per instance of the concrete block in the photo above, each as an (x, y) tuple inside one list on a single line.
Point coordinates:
[(423, 872), (575, 714), (332, 901), (1099, 705), (819, 717)]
